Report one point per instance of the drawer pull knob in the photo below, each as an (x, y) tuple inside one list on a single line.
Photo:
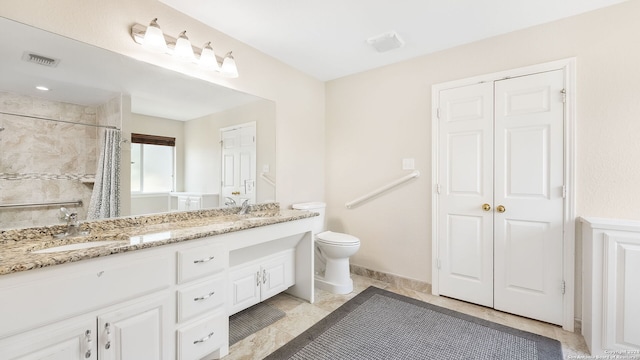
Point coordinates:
[(203, 260), (204, 297), (204, 339)]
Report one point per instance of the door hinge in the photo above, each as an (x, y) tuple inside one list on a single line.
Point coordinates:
[(438, 113), (563, 287), (438, 263), (437, 188), (564, 191), (564, 95)]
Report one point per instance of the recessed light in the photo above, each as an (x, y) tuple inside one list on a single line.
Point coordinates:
[(42, 88)]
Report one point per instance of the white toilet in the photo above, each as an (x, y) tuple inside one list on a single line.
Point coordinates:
[(333, 250)]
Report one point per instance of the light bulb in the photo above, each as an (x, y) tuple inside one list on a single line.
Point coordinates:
[(183, 50), (154, 38), (208, 58), (229, 68)]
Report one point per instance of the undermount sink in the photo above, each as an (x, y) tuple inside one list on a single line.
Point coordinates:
[(77, 246)]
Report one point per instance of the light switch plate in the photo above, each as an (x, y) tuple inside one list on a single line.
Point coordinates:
[(408, 164)]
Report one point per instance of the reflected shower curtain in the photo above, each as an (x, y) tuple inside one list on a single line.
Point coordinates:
[(105, 199)]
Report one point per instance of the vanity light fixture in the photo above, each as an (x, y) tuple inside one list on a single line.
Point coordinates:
[(151, 37), (229, 68), (154, 38), (183, 50), (208, 58)]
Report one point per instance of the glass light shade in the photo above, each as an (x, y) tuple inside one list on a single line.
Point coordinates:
[(154, 38), (208, 58), (229, 68), (183, 50)]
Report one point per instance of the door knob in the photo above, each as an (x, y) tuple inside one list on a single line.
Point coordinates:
[(501, 209), (235, 193), (486, 207)]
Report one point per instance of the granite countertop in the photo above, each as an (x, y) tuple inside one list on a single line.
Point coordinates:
[(131, 233)]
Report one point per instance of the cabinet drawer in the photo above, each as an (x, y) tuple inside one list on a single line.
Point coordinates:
[(204, 337), (201, 261), (80, 287), (200, 298)]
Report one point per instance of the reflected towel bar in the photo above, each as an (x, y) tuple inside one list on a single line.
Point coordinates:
[(58, 203), (268, 179), (382, 189)]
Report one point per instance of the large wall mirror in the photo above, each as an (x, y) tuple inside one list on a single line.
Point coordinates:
[(50, 141)]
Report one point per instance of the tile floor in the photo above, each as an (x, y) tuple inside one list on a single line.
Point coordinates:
[(302, 315)]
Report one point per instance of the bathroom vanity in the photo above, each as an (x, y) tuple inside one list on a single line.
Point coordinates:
[(162, 288)]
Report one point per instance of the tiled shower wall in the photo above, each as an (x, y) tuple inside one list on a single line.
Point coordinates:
[(45, 161)]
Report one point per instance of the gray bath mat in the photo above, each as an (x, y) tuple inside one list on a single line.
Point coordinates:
[(250, 320), (380, 325)]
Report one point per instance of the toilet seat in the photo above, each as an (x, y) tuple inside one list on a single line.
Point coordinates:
[(337, 239)]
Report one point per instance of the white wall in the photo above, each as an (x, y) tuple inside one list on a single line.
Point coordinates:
[(203, 147), (299, 98), (376, 118)]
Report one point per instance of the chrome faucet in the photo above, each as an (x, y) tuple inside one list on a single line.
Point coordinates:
[(72, 224), (230, 202), (245, 207)]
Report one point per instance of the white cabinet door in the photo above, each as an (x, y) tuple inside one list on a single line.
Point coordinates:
[(183, 203), (244, 282), (134, 332), (621, 317), (195, 202), (260, 280), (73, 339), (277, 275)]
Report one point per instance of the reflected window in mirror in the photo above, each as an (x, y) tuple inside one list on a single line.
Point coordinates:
[(152, 163)]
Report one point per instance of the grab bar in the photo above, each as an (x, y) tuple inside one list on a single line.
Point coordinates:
[(59, 203), (268, 179), (382, 189)]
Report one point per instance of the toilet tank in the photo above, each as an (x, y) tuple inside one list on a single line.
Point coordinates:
[(318, 207)]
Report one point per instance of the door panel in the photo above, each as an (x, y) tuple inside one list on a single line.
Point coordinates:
[(465, 230), (527, 162), (529, 177), (465, 247)]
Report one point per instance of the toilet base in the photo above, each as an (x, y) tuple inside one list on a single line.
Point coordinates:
[(344, 288)]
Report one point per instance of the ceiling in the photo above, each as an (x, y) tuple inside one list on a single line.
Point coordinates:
[(327, 39)]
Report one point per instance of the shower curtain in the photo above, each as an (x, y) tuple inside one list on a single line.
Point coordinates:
[(105, 199)]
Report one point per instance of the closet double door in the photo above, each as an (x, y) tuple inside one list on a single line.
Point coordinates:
[(500, 180)]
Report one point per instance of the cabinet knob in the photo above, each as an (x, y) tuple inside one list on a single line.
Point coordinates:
[(87, 335), (501, 209), (486, 207), (107, 328)]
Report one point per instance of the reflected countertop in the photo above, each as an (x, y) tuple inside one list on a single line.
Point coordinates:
[(131, 233)]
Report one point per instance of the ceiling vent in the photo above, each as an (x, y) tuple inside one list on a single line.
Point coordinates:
[(39, 59), (386, 42)]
